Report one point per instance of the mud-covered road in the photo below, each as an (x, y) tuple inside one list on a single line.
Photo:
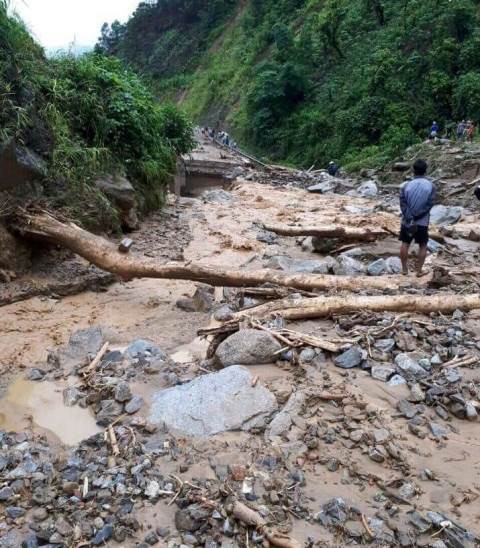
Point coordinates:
[(364, 468)]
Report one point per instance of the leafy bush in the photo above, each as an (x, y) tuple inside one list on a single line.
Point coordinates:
[(86, 116)]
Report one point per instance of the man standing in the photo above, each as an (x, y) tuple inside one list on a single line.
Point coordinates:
[(416, 200)]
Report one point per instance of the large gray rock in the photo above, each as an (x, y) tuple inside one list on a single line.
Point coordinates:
[(214, 403), (352, 357), (323, 266), (82, 346), (409, 368), (394, 265), (347, 266), (247, 347), (368, 189), (445, 215), (326, 186), (121, 193), (377, 268), (19, 166)]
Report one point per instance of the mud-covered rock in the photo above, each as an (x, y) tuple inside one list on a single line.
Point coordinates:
[(247, 347)]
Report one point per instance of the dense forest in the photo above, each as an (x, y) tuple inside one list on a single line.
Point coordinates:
[(82, 118), (310, 80)]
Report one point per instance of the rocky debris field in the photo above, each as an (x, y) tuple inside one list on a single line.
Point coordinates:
[(358, 429)]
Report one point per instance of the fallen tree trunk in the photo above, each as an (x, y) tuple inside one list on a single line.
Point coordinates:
[(104, 255), (346, 233), (297, 309)]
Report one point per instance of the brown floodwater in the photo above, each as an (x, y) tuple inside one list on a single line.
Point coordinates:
[(40, 404)]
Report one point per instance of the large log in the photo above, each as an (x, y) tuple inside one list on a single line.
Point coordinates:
[(345, 233), (304, 308), (104, 255)]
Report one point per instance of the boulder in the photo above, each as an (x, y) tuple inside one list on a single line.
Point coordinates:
[(368, 189), (19, 166), (121, 193), (377, 268), (352, 357), (14, 254), (323, 266), (394, 265), (214, 403), (347, 266), (247, 347), (324, 187), (445, 215)]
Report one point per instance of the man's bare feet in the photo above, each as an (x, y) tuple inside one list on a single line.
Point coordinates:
[(404, 272), (422, 273)]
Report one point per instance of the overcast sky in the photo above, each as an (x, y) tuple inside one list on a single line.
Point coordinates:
[(57, 23)]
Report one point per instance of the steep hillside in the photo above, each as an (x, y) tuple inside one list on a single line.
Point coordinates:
[(310, 80), (69, 122)]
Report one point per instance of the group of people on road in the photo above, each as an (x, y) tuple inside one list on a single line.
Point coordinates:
[(462, 131), (221, 136)]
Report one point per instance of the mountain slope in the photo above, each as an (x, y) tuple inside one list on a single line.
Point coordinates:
[(310, 80)]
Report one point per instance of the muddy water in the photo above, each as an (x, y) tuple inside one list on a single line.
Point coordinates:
[(40, 404)]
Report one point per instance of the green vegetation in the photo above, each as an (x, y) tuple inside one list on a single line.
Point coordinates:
[(86, 116), (307, 81)]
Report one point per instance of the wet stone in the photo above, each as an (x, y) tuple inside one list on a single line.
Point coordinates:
[(376, 454), (108, 412), (437, 430), (15, 512), (102, 536), (144, 349), (134, 405), (30, 542), (396, 380), (381, 435), (35, 375), (409, 368), (151, 538), (247, 347), (6, 493), (71, 396), (382, 372), (353, 357), (123, 392)]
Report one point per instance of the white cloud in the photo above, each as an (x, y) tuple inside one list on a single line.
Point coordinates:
[(57, 23)]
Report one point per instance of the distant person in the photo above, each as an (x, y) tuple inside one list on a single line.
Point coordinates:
[(434, 130), (461, 128), (333, 169), (416, 200), (470, 131)]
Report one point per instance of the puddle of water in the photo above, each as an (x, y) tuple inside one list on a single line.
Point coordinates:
[(42, 403)]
